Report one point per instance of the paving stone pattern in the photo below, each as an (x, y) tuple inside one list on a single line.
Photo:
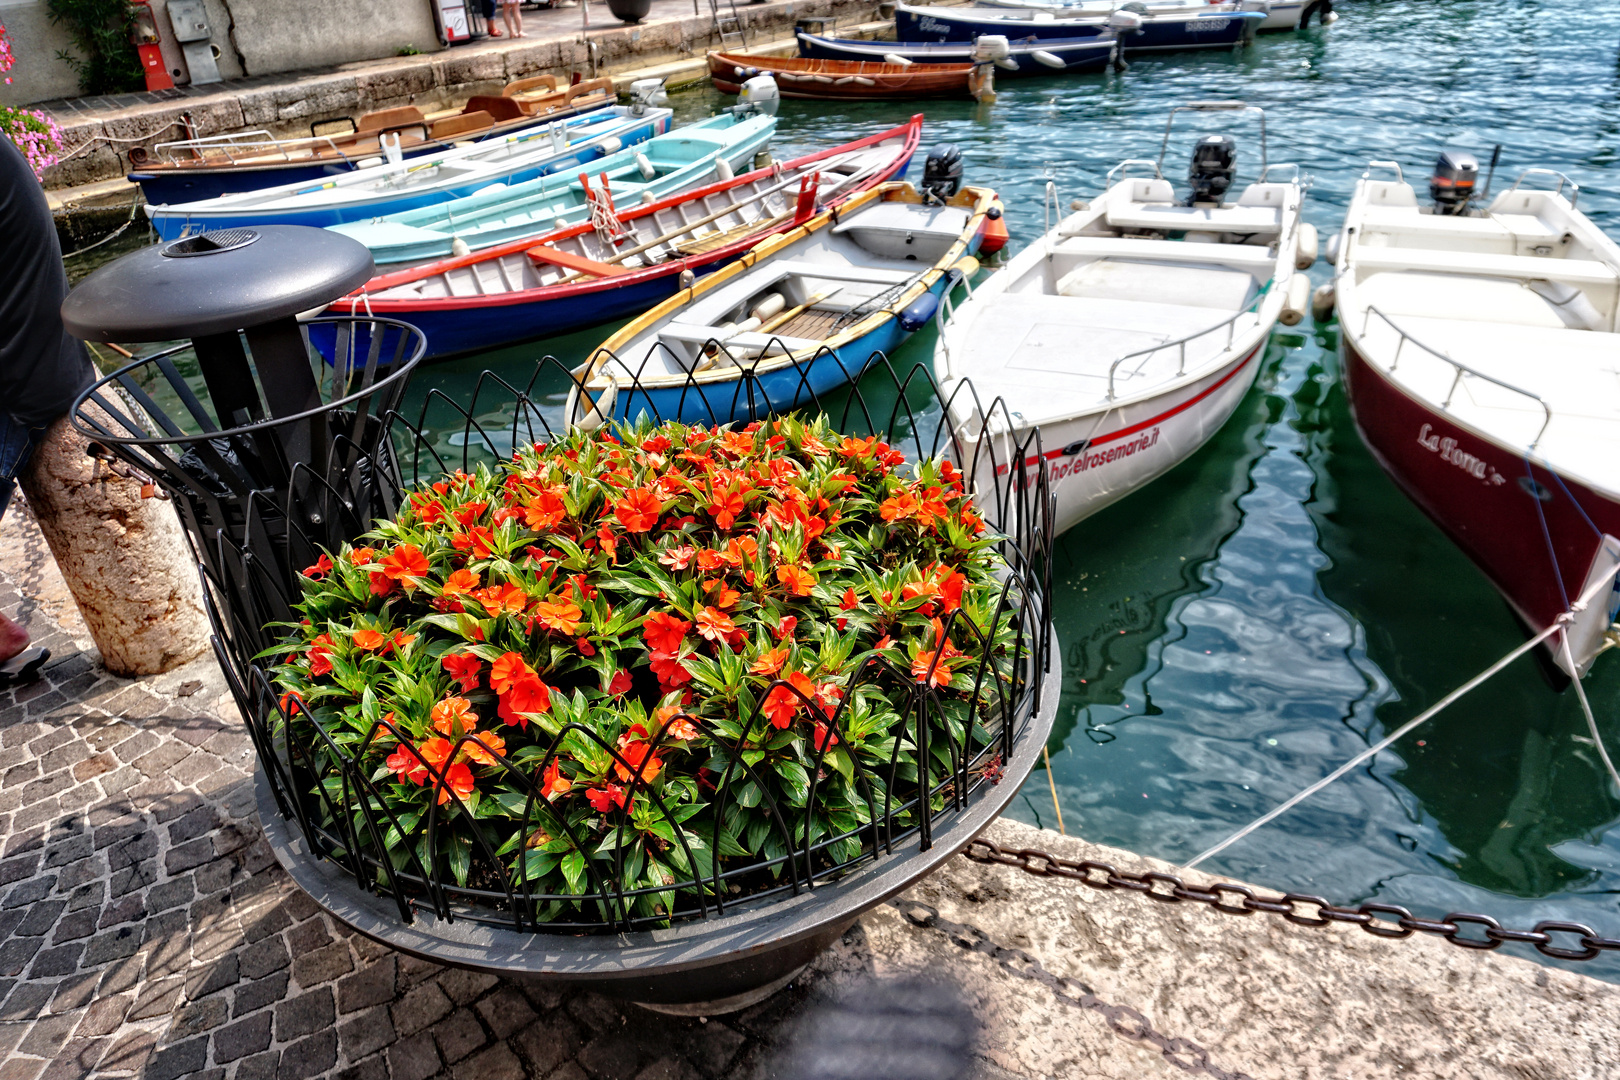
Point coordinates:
[(146, 929)]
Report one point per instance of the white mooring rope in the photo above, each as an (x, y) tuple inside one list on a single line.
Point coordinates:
[(1372, 751)]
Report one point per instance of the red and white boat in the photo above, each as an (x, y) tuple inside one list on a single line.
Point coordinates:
[(1128, 334), (1482, 362)]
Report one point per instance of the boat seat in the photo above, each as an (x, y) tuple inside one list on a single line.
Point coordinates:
[(1396, 225), (1253, 220), (685, 341), (1477, 264), (498, 108), (871, 275), (892, 229), (388, 119), (1149, 190), (543, 83), (462, 124), (1257, 260)]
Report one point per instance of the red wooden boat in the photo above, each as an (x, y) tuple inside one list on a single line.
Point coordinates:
[(842, 80), (1479, 353), (625, 260)]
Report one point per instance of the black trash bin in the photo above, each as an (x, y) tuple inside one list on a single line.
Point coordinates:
[(268, 431)]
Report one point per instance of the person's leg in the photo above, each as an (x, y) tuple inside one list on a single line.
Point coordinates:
[(489, 18), (17, 442), (517, 20)]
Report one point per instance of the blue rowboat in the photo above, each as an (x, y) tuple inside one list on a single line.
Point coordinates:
[(207, 168), (796, 317), (1163, 31), (396, 186), (714, 149), (1026, 56)]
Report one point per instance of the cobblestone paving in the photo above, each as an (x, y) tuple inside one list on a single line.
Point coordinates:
[(146, 929)]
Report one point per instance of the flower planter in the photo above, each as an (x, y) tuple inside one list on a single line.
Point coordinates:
[(703, 967)]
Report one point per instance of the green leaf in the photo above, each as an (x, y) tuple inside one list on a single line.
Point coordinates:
[(573, 868)]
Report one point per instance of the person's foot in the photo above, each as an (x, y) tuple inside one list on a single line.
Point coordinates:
[(13, 639), (494, 32)]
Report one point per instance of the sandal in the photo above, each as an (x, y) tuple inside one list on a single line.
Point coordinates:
[(23, 668)]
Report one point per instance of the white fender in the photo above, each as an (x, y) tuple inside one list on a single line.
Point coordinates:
[(1298, 301), (1305, 247), (1051, 60), (896, 58), (646, 167), (1323, 301)]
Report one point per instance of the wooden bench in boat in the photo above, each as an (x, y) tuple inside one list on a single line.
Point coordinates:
[(1480, 264), (1405, 227)]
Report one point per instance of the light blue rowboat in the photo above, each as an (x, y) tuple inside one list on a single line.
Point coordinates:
[(392, 187), (795, 318), (702, 153)]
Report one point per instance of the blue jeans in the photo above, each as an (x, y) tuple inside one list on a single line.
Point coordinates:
[(17, 442)]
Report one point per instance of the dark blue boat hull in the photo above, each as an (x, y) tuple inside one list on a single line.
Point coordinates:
[(1219, 30), (1094, 56)]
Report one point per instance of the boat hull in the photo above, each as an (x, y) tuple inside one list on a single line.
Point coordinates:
[(1142, 440), (1211, 31), (790, 387), (172, 224), (1082, 55), (1485, 498), (918, 82)]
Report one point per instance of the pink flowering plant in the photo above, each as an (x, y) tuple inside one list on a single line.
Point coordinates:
[(648, 663), (36, 135)]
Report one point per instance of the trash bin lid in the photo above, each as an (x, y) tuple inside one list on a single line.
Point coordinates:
[(216, 282)]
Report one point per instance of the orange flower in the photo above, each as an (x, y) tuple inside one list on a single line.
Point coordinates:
[(714, 624), (458, 779), (509, 670), (554, 782), (899, 507), (782, 704), (606, 798), (493, 747), (320, 655), (454, 716), (480, 540), (725, 595), (823, 738), (544, 511), (368, 639), (769, 663), (499, 598), (725, 507), (405, 564), (664, 633), (460, 583), (674, 725), (850, 601), (639, 509), (407, 764), (672, 674), (797, 579), (639, 760), (559, 614), (677, 558), (320, 569), (940, 675), (463, 668), (362, 556)]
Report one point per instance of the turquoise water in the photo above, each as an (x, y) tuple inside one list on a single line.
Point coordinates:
[(1259, 615)]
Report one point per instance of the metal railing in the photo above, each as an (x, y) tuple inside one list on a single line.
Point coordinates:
[(1461, 370), (1400, 177), (1230, 323), (1574, 188), (1125, 167)]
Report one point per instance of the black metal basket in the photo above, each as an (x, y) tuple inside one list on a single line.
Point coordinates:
[(252, 561)]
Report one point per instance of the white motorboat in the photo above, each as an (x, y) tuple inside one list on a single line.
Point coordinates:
[(1128, 333), (1481, 357)]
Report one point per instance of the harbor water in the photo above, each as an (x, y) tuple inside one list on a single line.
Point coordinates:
[(1257, 617)]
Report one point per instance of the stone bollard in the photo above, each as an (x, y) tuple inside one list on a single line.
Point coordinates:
[(124, 557)]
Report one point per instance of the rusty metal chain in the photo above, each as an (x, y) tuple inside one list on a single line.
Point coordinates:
[(1123, 1020), (1302, 909)]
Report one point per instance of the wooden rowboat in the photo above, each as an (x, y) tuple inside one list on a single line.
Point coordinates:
[(840, 80), (581, 275), (247, 161)]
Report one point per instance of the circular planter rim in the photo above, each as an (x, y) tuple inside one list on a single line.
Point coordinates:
[(683, 947)]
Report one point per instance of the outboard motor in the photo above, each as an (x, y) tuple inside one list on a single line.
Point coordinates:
[(1214, 165), (647, 94), (760, 94), (1452, 185), (942, 173), (994, 49)]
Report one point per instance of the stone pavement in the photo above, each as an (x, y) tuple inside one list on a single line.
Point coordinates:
[(146, 930)]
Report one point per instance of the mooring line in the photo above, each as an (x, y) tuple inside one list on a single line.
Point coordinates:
[(1047, 754), (1557, 624)]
